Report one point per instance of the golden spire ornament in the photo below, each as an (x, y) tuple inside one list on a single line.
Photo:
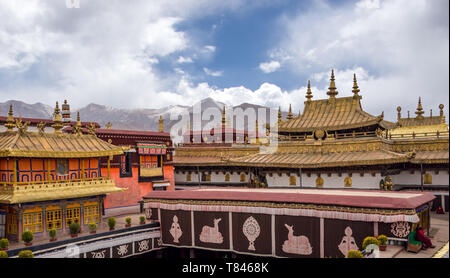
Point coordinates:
[(223, 116), (279, 115), (10, 124), (161, 124), (399, 114), (308, 92), (77, 127), (57, 122), (332, 89), (355, 86), (419, 111), (290, 115)]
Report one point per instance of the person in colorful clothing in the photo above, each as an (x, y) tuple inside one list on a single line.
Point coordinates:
[(420, 236)]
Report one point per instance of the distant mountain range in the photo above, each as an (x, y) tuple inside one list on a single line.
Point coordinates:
[(132, 119)]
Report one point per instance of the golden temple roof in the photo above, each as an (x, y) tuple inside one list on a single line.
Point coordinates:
[(21, 143), (64, 145), (318, 160), (10, 194), (342, 113)]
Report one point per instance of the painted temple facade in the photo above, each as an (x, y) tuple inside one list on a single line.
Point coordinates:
[(50, 179), (334, 143), (145, 166)]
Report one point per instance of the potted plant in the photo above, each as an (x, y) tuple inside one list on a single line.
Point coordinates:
[(74, 229), (383, 240), (4, 244), (92, 228), (27, 237), (26, 254), (128, 220), (52, 235), (142, 220), (111, 223), (353, 254), (3, 254), (370, 240)]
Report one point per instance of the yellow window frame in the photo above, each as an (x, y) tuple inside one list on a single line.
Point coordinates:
[(53, 219), (32, 222), (72, 214), (91, 214)]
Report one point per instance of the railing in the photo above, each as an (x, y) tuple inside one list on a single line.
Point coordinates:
[(419, 135), (52, 182), (335, 135)]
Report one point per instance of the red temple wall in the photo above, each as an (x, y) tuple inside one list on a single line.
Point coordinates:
[(135, 189)]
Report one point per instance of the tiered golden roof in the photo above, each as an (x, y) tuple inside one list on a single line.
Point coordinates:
[(339, 114)]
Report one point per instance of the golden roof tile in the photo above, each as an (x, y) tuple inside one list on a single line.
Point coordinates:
[(342, 113), (35, 144)]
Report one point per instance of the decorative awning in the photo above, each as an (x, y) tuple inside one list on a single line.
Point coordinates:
[(151, 149)]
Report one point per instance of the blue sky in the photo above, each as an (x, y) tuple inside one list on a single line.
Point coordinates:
[(151, 54)]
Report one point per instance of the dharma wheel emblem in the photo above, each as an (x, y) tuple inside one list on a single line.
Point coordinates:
[(251, 230), (319, 134)]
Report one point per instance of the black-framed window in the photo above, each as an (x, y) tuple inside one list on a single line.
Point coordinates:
[(126, 169)]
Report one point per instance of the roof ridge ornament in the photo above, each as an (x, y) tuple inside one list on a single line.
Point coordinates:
[(77, 127), (332, 89), (57, 122), (355, 87), (92, 128), (10, 124), (290, 115), (308, 92), (399, 113), (419, 111), (279, 115), (223, 116), (21, 126), (41, 127), (160, 124)]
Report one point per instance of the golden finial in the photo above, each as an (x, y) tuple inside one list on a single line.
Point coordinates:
[(332, 89), (290, 115), (161, 124), (21, 126), (408, 114), (308, 92), (419, 111), (279, 115), (355, 86), (108, 125), (57, 122), (76, 129), (431, 113), (399, 114), (10, 124)]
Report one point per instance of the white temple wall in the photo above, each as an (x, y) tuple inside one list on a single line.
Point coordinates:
[(413, 178), (368, 181)]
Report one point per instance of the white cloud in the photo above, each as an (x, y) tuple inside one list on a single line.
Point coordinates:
[(213, 73), (402, 46), (209, 48), (182, 60), (270, 66)]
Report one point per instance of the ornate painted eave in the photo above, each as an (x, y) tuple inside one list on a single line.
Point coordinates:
[(10, 194)]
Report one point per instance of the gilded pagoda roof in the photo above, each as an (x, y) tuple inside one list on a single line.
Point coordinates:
[(10, 194), (35, 144), (338, 114)]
